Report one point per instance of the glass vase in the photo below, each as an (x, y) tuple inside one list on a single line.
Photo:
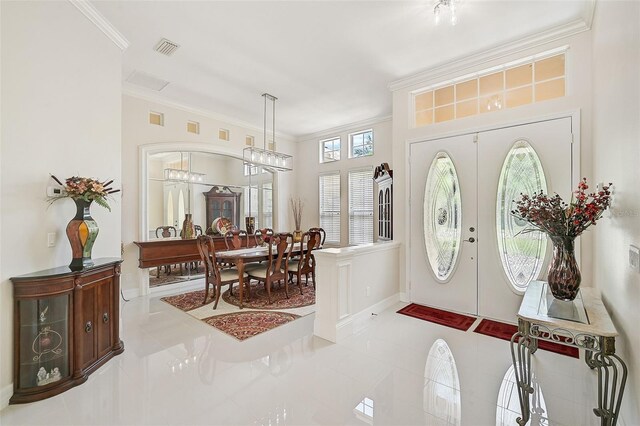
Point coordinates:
[(564, 275), (82, 232), (188, 229)]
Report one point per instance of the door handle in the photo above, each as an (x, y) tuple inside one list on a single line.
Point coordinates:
[(470, 240)]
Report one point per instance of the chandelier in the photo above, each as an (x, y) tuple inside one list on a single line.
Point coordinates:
[(183, 176), (268, 158), (444, 6)]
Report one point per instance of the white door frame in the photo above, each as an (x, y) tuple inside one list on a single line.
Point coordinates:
[(574, 114)]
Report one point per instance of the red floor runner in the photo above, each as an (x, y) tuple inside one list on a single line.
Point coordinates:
[(449, 319), (506, 331)]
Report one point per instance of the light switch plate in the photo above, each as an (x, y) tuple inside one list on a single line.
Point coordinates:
[(51, 239), (634, 258)]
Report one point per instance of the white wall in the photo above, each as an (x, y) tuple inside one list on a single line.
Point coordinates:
[(578, 97), (61, 114), (616, 158), (307, 162), (137, 132)]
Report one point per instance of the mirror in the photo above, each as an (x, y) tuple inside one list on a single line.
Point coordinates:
[(208, 186)]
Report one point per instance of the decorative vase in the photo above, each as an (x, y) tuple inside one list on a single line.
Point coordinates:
[(188, 229), (297, 236), (564, 276), (250, 224), (82, 232)]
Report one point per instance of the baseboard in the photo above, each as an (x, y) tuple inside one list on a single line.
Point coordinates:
[(5, 395), (403, 297), (191, 285), (346, 327), (197, 284)]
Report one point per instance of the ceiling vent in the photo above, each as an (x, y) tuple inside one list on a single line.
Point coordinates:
[(166, 47), (147, 81)]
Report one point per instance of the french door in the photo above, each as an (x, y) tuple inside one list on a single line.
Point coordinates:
[(443, 249), (467, 252)]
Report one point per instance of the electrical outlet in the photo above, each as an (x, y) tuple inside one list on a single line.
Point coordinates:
[(51, 239), (53, 191), (634, 258)]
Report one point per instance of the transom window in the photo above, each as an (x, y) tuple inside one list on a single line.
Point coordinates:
[(520, 83), (361, 144), (330, 150)]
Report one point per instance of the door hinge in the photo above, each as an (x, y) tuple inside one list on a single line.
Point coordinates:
[(475, 138), (571, 138)]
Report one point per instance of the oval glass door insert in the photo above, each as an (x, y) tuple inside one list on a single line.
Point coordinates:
[(522, 254), (442, 216)]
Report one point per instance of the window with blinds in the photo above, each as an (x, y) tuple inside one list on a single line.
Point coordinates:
[(267, 205), (330, 206), (251, 193), (361, 206)]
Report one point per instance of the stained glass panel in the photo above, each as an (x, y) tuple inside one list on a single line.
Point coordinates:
[(522, 254), (442, 216)]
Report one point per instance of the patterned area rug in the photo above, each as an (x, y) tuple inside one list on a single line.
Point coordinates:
[(188, 301), (438, 316), (243, 325), (506, 331), (278, 298)]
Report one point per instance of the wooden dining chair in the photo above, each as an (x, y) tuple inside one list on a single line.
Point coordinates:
[(306, 263), (323, 236), (276, 268), (262, 235), (236, 239), (213, 274)]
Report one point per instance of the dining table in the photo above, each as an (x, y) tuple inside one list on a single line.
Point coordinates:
[(241, 257)]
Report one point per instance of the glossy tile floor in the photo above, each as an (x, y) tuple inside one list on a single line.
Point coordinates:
[(395, 370)]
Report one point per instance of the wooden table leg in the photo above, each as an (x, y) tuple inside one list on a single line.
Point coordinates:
[(240, 266)]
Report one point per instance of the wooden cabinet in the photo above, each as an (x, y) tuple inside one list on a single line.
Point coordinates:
[(66, 325), (222, 202)]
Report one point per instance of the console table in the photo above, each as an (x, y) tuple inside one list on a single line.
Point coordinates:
[(583, 323)]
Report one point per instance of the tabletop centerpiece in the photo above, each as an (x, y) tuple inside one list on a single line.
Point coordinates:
[(297, 205), (82, 230), (562, 223)]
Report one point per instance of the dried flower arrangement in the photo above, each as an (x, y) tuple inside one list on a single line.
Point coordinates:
[(87, 189), (556, 218), (297, 205)]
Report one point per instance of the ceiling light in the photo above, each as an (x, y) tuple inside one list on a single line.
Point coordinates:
[(268, 158), (446, 6)]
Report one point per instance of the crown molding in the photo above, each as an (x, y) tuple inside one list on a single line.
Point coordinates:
[(158, 99), (101, 22), (358, 125), (505, 49)]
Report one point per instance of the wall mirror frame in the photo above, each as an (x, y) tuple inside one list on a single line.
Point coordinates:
[(147, 152)]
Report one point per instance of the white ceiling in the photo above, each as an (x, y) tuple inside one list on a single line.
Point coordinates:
[(328, 62)]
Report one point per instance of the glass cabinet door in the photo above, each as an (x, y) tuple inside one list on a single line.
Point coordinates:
[(44, 340)]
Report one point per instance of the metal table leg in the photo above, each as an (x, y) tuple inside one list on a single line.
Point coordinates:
[(522, 346), (610, 382)]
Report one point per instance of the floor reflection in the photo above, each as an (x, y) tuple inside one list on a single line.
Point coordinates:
[(441, 395), (508, 406)]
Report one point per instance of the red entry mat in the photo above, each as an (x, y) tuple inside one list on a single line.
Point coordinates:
[(506, 331), (446, 318)]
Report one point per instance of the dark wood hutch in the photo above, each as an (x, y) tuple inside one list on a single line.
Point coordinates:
[(383, 176), (222, 202), (66, 325)]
